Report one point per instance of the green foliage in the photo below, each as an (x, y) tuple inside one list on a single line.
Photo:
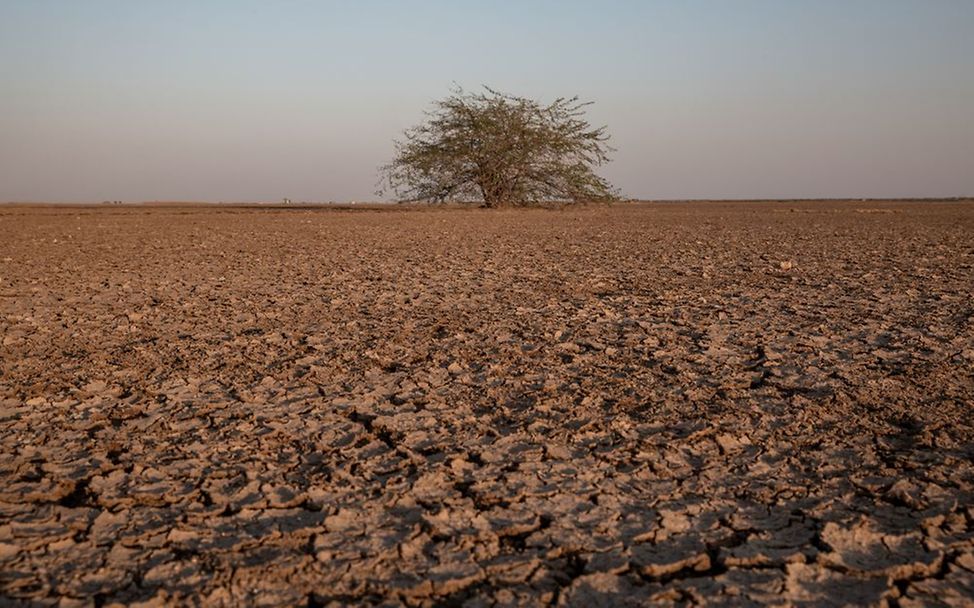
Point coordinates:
[(500, 150)]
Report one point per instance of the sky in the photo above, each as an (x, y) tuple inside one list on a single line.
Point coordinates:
[(240, 100)]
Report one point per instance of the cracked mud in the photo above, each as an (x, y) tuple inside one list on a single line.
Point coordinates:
[(710, 404)]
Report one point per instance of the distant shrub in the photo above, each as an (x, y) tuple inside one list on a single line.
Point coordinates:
[(500, 150)]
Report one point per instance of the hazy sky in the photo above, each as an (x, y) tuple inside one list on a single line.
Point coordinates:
[(257, 100)]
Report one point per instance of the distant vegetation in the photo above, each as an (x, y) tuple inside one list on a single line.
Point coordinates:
[(500, 150)]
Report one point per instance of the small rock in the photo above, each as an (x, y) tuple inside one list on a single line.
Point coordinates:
[(95, 386), (181, 536), (8, 551), (673, 521), (728, 443)]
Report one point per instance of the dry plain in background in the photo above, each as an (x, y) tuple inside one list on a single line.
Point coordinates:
[(715, 403)]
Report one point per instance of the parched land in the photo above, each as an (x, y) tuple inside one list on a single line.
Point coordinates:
[(672, 403)]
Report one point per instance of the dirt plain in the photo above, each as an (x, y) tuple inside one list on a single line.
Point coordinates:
[(708, 404)]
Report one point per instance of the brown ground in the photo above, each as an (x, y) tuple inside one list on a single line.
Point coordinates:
[(272, 406)]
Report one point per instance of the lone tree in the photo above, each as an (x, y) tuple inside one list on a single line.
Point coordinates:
[(500, 150)]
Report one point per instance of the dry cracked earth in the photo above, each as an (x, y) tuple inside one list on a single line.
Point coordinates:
[(705, 404)]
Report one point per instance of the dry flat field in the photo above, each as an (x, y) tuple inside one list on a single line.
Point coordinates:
[(671, 403)]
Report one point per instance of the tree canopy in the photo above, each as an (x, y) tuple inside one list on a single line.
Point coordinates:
[(500, 150)]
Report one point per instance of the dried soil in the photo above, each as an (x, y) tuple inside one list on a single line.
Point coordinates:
[(686, 403)]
